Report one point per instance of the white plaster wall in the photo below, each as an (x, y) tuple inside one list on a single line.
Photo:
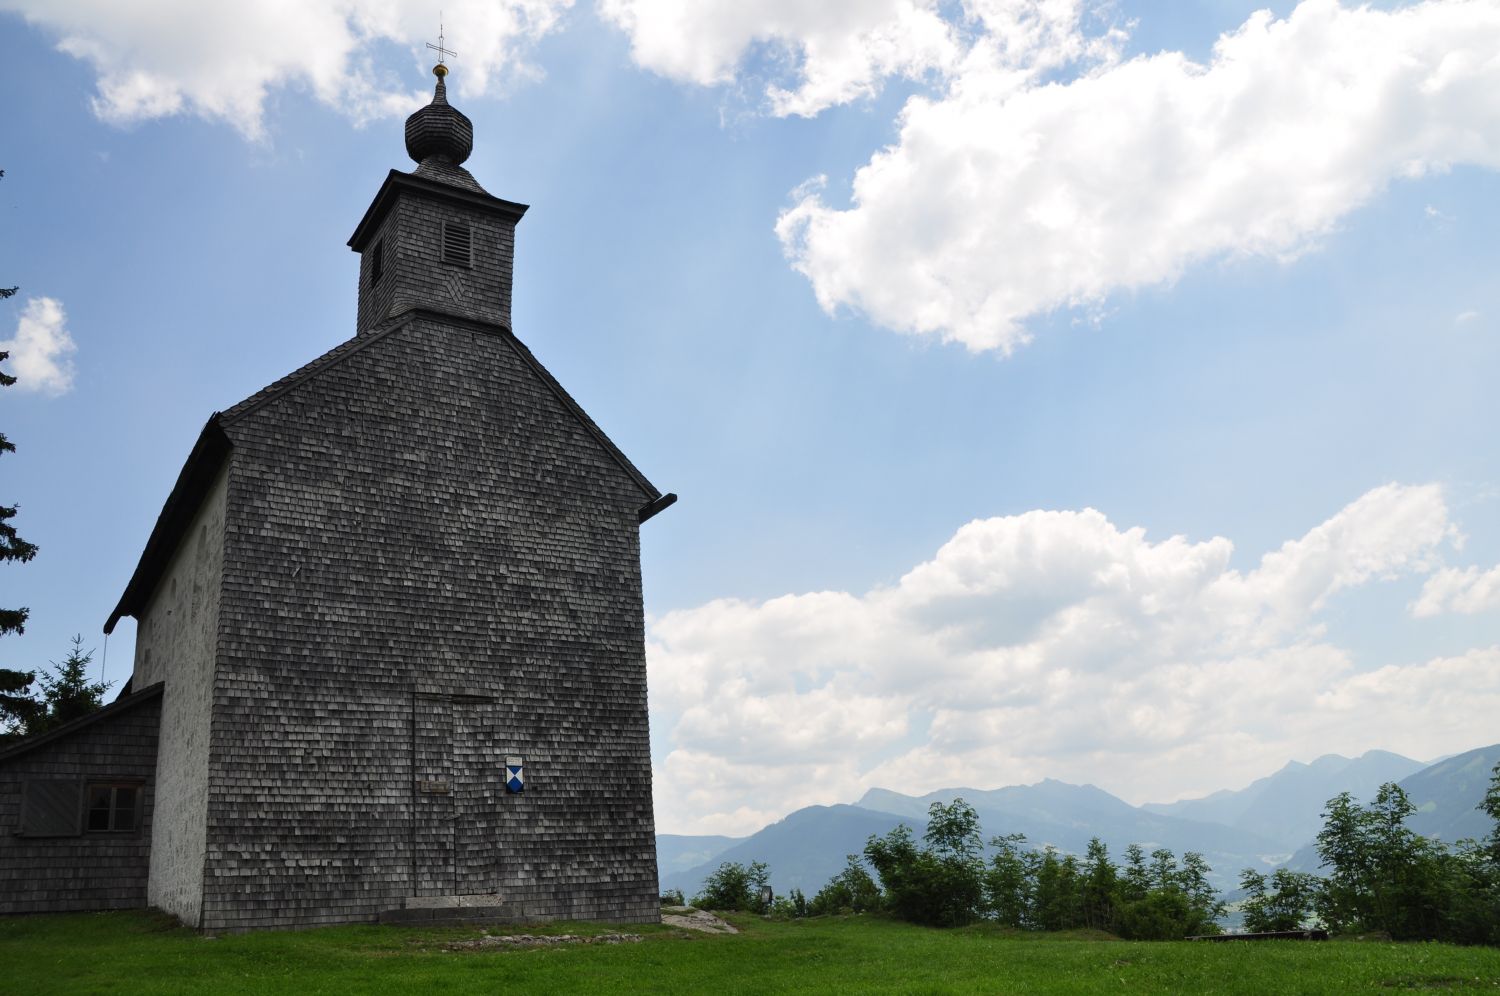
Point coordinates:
[(177, 642)]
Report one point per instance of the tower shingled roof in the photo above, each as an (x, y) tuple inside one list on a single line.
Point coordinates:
[(439, 130), (439, 137)]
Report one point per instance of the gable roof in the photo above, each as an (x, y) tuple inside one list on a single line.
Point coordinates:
[(213, 446), (119, 705)]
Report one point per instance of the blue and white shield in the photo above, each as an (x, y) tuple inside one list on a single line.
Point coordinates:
[(515, 778)]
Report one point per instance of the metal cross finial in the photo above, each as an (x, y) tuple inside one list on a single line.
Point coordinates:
[(442, 50)]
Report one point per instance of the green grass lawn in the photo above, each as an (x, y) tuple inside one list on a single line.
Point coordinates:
[(139, 952)]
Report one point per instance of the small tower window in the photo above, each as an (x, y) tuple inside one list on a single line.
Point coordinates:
[(458, 241), (377, 262)]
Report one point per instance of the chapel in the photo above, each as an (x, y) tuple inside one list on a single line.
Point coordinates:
[(389, 654)]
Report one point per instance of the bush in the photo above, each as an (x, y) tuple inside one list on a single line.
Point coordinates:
[(850, 891), (789, 907), (734, 887)]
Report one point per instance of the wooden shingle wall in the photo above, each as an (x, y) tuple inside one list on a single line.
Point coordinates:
[(177, 643), (423, 543), (80, 871)]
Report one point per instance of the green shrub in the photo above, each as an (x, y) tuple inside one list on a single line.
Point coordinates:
[(734, 887), (850, 891)]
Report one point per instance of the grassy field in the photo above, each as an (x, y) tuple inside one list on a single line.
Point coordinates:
[(141, 953)]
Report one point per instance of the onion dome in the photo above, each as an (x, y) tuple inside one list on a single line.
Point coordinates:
[(438, 131)]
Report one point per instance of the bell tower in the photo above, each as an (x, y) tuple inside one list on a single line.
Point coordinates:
[(434, 239)]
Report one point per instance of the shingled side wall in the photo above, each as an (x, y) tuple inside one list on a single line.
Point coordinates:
[(84, 871), (176, 642), (422, 536)]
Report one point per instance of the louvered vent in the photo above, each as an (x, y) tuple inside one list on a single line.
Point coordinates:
[(458, 243), (377, 262)]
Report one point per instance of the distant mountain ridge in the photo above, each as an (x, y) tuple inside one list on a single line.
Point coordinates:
[(810, 846), (1446, 794), (677, 853), (804, 850), (1254, 827), (1287, 806)]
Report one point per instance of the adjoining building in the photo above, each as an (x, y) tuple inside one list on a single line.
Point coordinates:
[(390, 642)]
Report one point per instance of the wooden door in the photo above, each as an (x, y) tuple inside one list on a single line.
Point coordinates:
[(477, 795), (432, 796)]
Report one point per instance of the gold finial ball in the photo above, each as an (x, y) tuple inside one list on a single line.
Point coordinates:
[(440, 70)]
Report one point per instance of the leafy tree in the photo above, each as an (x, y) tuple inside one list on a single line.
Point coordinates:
[(953, 838), (1100, 886), (1135, 881), (850, 891), (734, 887), (1008, 882), (1384, 876), (1472, 880), (1204, 905), (1491, 805), (896, 860), (1163, 868), (940, 884), (1058, 904), (1286, 905), (1166, 901)]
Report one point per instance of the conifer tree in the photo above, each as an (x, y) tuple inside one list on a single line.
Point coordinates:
[(17, 706), (67, 694)]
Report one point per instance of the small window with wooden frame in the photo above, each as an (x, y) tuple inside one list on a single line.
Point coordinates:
[(113, 807)]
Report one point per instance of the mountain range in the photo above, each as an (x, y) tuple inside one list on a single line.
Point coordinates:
[(1270, 822)]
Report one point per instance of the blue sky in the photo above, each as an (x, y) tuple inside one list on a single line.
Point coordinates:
[(1062, 258)]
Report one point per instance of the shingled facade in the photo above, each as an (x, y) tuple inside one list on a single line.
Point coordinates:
[(380, 581)]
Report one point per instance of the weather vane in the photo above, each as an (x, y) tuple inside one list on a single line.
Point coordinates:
[(442, 50)]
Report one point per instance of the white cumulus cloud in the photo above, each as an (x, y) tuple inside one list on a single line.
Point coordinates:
[(41, 350), (1010, 195), (840, 50), (1466, 591), (1054, 643), (223, 60)]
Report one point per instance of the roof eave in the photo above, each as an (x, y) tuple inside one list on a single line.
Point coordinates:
[(397, 181), (119, 705), (192, 485), (651, 508)]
